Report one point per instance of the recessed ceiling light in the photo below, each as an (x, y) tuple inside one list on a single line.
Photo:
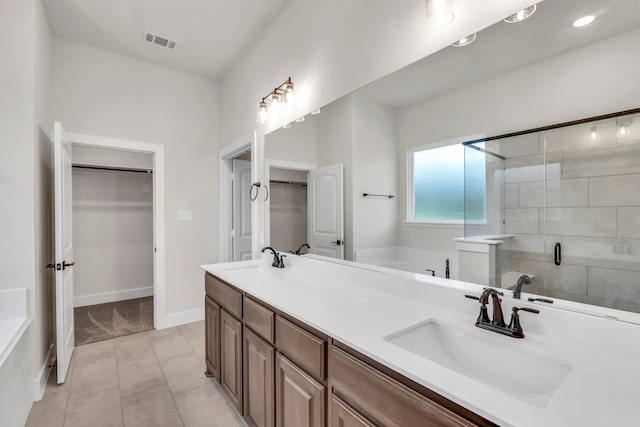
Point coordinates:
[(584, 21), (465, 41), (521, 15)]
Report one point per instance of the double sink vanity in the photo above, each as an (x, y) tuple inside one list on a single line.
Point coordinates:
[(323, 343)]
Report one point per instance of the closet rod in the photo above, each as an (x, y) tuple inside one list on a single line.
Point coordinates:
[(109, 168), (276, 181)]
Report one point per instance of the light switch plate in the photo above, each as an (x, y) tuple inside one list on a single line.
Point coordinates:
[(185, 216)]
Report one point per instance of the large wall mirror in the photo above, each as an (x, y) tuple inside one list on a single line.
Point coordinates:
[(400, 141)]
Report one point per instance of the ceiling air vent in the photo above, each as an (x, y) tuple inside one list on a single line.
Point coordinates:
[(158, 40)]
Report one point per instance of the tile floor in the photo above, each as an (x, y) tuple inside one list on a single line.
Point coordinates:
[(153, 378)]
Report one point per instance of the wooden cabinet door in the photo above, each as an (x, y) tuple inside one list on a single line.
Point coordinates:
[(259, 380), (212, 337), (342, 415), (299, 398), (231, 358)]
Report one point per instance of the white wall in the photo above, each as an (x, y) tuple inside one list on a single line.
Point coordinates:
[(100, 93), (25, 167), (597, 79), (112, 236), (94, 156), (375, 170), (288, 216), (297, 144)]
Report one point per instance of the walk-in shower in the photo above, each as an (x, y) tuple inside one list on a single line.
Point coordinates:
[(566, 199)]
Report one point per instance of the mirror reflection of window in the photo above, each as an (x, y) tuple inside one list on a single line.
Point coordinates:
[(439, 185)]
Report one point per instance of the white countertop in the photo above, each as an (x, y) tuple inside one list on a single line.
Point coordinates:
[(360, 307)]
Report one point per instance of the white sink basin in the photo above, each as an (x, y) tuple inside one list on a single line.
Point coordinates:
[(528, 377)]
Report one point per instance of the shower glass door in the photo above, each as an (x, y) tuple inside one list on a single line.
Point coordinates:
[(591, 218)]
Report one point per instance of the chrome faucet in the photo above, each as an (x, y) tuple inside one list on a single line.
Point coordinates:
[(522, 280), (514, 329), (278, 261), (299, 250)]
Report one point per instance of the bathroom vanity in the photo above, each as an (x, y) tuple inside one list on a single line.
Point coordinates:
[(336, 344)]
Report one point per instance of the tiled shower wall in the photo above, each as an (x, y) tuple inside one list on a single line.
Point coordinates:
[(564, 186)]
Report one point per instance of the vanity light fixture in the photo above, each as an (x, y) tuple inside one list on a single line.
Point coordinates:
[(282, 93), (594, 133), (584, 21), (315, 112), (521, 15), (465, 41), (439, 13)]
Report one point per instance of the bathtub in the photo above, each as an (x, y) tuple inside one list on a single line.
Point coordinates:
[(413, 260), (16, 396)]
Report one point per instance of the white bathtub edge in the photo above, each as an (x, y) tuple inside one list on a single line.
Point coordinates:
[(5, 352)]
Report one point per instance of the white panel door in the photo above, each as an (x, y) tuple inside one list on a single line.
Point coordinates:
[(64, 250), (241, 210), (326, 211)]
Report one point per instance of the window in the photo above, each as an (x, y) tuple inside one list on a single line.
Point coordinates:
[(438, 185)]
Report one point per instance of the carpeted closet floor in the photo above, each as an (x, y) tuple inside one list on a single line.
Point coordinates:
[(114, 319)]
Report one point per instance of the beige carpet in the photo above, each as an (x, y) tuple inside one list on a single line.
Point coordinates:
[(114, 319)]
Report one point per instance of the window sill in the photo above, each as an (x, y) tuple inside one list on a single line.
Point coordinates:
[(434, 224)]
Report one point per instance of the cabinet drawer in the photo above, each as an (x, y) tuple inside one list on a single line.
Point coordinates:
[(259, 319), (223, 294), (302, 347), (342, 415), (382, 398)]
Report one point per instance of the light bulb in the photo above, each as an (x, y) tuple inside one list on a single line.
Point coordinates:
[(287, 126), (439, 13), (288, 92), (623, 129), (594, 133), (315, 112), (300, 119), (262, 112)]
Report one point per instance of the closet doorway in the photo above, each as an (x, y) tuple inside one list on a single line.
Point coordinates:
[(113, 243), (64, 262), (305, 205)]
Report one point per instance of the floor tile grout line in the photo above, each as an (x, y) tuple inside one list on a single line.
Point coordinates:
[(115, 351), (167, 382)]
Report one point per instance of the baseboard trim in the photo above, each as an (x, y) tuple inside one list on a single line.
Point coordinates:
[(84, 300), (40, 381), (180, 318)]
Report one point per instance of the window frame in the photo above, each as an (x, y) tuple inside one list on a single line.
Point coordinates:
[(410, 214)]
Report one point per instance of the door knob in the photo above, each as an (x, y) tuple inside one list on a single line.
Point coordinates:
[(338, 242), (66, 264)]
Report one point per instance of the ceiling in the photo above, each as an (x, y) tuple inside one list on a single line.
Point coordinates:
[(504, 47), (210, 34)]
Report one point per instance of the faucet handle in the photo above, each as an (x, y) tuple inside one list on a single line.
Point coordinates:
[(514, 324), (472, 297), (530, 310)]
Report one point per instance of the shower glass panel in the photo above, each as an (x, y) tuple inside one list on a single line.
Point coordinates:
[(571, 199)]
